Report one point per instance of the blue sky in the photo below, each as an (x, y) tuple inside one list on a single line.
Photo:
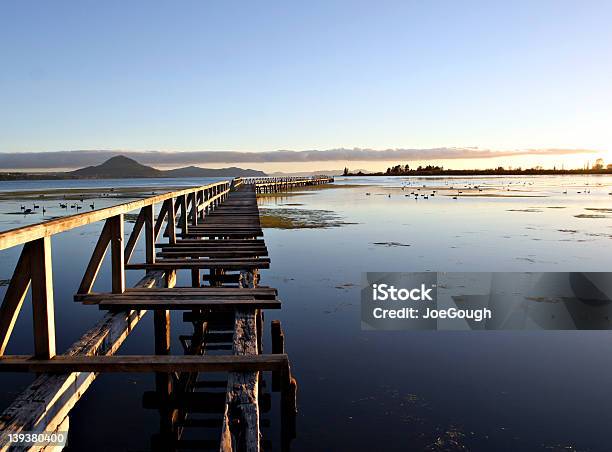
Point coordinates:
[(260, 76)]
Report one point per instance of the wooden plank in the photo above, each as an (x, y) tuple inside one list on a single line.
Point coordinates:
[(42, 298), (95, 262), (24, 234), (227, 254), (167, 264), (241, 415), (191, 303), (241, 405), (211, 244), (117, 255), (14, 296), (181, 292), (144, 363)]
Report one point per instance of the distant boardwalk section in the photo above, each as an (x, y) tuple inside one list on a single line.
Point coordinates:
[(276, 184)]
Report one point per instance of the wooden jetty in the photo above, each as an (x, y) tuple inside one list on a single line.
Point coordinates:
[(214, 232), (277, 184)]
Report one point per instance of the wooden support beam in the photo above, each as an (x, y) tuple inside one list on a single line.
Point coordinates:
[(182, 200), (14, 296), (95, 262), (42, 298), (161, 217), (194, 208), (161, 324), (133, 239), (144, 363), (117, 255), (148, 215)]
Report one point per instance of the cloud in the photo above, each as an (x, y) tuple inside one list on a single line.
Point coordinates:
[(76, 159)]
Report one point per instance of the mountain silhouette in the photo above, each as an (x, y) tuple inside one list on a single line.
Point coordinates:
[(120, 167)]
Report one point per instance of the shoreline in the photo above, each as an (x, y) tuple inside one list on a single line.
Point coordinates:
[(485, 173)]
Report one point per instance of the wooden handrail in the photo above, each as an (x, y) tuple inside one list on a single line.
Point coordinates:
[(34, 266), (18, 236)]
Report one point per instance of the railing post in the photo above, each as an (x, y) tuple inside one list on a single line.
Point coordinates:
[(182, 200), (171, 221), (42, 298), (117, 255), (194, 208), (202, 198), (149, 233)]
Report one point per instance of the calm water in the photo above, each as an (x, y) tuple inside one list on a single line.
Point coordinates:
[(480, 391)]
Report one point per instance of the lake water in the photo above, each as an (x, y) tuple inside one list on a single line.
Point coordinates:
[(379, 390)]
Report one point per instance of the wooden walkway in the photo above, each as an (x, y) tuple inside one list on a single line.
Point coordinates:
[(277, 184), (214, 233)]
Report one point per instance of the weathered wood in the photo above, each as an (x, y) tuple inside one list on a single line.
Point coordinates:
[(260, 293), (241, 413), (117, 255), (240, 430), (133, 239), (223, 242), (182, 200), (194, 208), (95, 262), (42, 298), (221, 254), (171, 221), (256, 292), (163, 212), (45, 404), (14, 296), (24, 234), (241, 417), (187, 304), (148, 214), (144, 363), (201, 263)]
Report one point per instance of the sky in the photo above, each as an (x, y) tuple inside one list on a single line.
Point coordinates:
[(317, 75)]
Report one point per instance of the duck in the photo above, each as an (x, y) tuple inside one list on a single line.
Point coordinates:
[(92, 205), (63, 206)]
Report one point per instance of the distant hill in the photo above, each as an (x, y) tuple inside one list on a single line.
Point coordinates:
[(118, 167), (196, 171), (121, 167)]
